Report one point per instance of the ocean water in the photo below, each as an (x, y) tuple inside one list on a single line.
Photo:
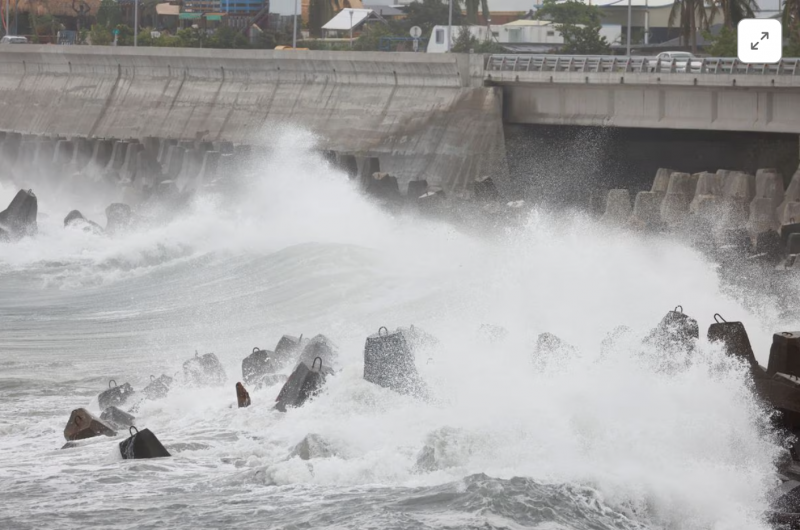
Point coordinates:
[(607, 434)]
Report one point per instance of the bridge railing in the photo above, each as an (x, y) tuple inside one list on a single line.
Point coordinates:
[(613, 63)]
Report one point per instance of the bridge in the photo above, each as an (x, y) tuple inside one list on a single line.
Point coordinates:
[(435, 116), (720, 94)]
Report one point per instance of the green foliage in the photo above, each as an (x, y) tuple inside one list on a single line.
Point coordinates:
[(109, 14), (733, 11), (792, 48), (472, 10), (690, 15), (369, 40), (723, 44), (100, 35), (466, 42), (227, 38), (429, 13), (578, 23)]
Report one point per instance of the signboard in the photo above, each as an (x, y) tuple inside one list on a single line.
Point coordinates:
[(416, 32)]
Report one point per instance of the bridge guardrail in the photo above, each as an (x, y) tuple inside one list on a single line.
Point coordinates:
[(614, 64)]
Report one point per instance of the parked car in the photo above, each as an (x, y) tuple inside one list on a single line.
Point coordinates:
[(13, 39), (684, 61)]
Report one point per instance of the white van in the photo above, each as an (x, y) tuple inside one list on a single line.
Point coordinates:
[(13, 39)]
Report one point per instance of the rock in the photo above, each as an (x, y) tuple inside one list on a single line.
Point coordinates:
[(784, 355), (288, 348), (312, 446), (258, 364), (484, 189), (734, 336), (303, 384), (389, 362), (204, 370), (115, 395), (118, 217), (242, 397), (83, 424), (75, 219), (618, 207), (19, 219), (118, 418), (675, 331), (322, 347), (142, 444), (158, 388)]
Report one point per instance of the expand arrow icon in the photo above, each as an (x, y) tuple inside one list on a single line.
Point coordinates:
[(764, 35), (754, 46)]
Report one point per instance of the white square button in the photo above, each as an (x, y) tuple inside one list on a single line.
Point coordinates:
[(760, 40)]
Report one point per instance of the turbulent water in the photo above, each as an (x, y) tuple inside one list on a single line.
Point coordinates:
[(608, 435)]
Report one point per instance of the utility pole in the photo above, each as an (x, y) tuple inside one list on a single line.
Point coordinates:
[(450, 25), (7, 19), (628, 43), (294, 31), (647, 21), (351, 29), (135, 23)]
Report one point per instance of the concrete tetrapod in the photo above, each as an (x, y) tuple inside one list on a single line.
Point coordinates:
[(676, 331), (304, 383), (707, 195), (679, 196), (389, 362), (257, 364), (19, 219), (647, 211), (734, 336), (792, 195), (661, 181), (158, 387), (142, 444), (83, 424), (118, 418), (204, 370), (115, 395), (618, 207), (738, 191)]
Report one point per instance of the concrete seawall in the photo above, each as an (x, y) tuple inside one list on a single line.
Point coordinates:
[(423, 116)]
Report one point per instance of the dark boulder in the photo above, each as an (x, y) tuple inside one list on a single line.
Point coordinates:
[(75, 219), (158, 388), (204, 370), (118, 217), (142, 444), (115, 395), (322, 347), (304, 383), (19, 219), (258, 364), (676, 332), (389, 362), (117, 417), (734, 336), (242, 396), (83, 424)]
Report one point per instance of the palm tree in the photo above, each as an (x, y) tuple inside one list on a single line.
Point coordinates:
[(734, 10), (472, 10), (791, 18), (692, 15)]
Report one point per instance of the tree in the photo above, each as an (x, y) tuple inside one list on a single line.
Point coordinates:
[(691, 15), (723, 44), (472, 10), (430, 13), (100, 35), (227, 38), (370, 37), (733, 11), (578, 23), (109, 14), (791, 24)]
